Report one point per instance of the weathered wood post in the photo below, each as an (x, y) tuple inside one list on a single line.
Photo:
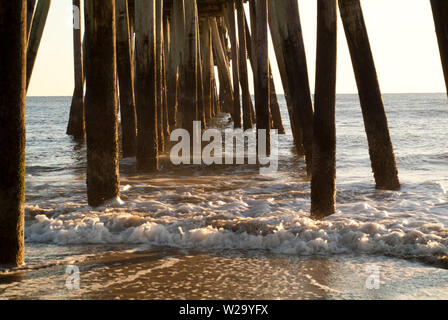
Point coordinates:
[(76, 124), (207, 56), (262, 92), (277, 122), (13, 25), (275, 35), (125, 65), (103, 180), (440, 13), (145, 86), (178, 23), (159, 71), (224, 81), (37, 29), (31, 4), (285, 18), (375, 120), (166, 124), (171, 70), (200, 78), (251, 43), (230, 22), (323, 183), (188, 92), (244, 77)]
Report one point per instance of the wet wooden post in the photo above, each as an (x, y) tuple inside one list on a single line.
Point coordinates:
[(440, 13), (293, 118), (145, 86), (277, 122), (287, 20), (37, 29), (224, 80), (323, 183), (178, 24), (206, 51), (13, 25), (380, 146), (103, 180), (159, 77), (244, 77), (166, 125), (262, 92), (188, 93), (200, 78), (170, 70), (230, 22), (76, 124), (125, 68), (214, 89)]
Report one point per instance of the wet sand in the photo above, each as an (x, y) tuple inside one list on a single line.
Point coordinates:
[(188, 274)]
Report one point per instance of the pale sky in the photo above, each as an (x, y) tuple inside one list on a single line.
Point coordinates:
[(401, 34)]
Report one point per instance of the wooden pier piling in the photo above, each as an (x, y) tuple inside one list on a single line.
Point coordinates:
[(189, 91), (323, 183), (159, 74), (145, 86), (231, 27), (380, 145), (286, 20), (440, 13), (224, 74), (76, 124), (262, 91), (248, 121), (13, 25), (103, 180), (125, 67), (207, 66)]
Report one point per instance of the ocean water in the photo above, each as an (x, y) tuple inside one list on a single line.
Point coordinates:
[(229, 232)]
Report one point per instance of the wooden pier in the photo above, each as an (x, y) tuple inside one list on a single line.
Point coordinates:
[(154, 61)]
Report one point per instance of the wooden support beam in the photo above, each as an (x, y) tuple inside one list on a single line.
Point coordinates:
[(230, 22), (125, 65), (285, 20), (380, 146), (224, 81), (170, 72), (200, 79), (145, 86), (31, 5), (166, 124), (76, 125), (440, 13), (13, 24), (262, 92), (323, 183), (276, 39), (277, 122), (178, 24), (207, 56), (103, 180), (244, 77), (159, 71), (37, 29), (188, 93)]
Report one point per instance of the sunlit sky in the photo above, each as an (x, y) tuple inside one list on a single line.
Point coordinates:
[(401, 33)]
